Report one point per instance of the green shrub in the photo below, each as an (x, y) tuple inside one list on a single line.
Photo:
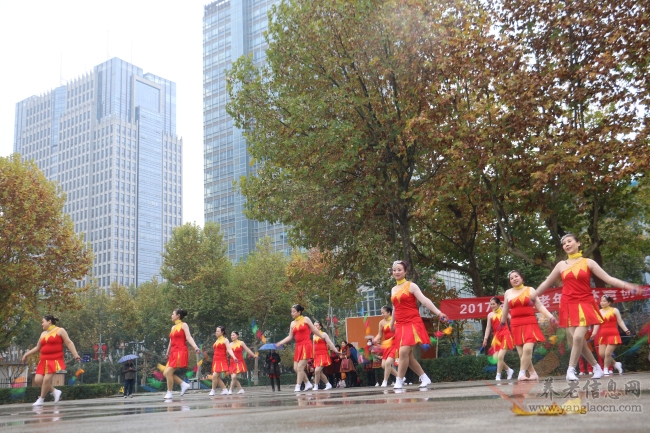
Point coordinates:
[(78, 392)]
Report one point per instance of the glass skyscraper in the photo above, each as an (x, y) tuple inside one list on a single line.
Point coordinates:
[(231, 29), (109, 139)]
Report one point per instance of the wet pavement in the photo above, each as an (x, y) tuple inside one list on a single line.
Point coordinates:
[(613, 403)]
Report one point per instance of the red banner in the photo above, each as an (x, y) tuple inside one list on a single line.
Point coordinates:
[(479, 308)]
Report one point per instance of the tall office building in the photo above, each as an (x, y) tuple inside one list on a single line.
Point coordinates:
[(109, 139), (231, 29)]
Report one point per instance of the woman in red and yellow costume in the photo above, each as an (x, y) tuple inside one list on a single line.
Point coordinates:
[(502, 341), (322, 358), (238, 365), (578, 309), (390, 347), (301, 329), (607, 336), (177, 354), (221, 349), (520, 305), (407, 323), (50, 345)]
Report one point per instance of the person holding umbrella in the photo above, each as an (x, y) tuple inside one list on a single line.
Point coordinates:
[(272, 365), (129, 378)]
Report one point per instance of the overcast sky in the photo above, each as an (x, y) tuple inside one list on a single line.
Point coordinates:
[(163, 38)]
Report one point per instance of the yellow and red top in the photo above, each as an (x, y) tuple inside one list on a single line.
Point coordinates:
[(301, 331), (320, 346), (405, 306), (522, 311), (52, 346), (576, 282), (177, 337)]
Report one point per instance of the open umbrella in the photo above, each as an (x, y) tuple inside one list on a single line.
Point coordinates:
[(127, 358), (268, 346)]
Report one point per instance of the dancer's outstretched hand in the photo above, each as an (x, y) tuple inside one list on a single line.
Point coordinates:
[(443, 317)]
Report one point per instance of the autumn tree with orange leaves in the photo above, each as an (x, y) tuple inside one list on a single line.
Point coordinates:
[(41, 257), (446, 132)]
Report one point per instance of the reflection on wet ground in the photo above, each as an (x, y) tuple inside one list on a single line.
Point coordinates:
[(261, 401), (16, 415)]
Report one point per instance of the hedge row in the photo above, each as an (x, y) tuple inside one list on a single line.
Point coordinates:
[(77, 392)]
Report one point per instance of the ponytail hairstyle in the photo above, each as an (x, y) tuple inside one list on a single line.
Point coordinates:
[(181, 312), (222, 329), (299, 308), (51, 318), (609, 299)]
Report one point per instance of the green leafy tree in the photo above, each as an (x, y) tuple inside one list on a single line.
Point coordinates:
[(197, 269), (41, 257), (257, 292)]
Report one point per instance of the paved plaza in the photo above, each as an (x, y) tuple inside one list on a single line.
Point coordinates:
[(447, 407)]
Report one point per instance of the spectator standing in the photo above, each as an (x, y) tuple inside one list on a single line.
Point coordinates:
[(129, 378), (272, 365)]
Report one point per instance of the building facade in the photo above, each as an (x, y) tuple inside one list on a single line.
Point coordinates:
[(231, 29), (109, 139)]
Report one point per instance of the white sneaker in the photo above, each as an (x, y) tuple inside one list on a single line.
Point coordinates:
[(581, 374), (211, 392), (619, 367), (399, 383), (57, 395), (230, 392), (39, 402), (168, 396), (328, 386), (384, 384), (498, 376), (297, 388), (377, 384), (308, 386), (224, 391), (591, 373), (571, 375), (522, 376), (606, 372), (424, 381), (598, 372), (184, 387), (241, 391), (510, 372)]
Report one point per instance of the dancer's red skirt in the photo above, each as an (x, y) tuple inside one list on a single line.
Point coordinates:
[(237, 367), (527, 333), (177, 359), (410, 334), (220, 366), (303, 351), (390, 351), (503, 340), (322, 360), (49, 366), (608, 336), (582, 313)]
